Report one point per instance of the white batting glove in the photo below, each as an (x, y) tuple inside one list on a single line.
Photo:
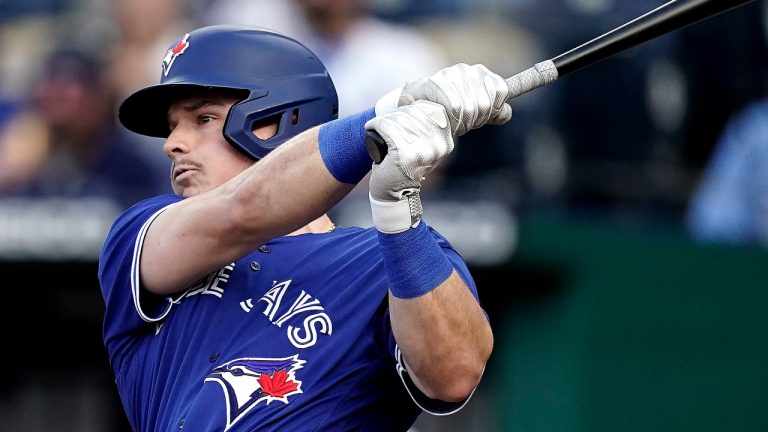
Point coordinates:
[(418, 138), (473, 96)]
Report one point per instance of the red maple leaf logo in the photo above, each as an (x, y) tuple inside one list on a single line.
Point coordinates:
[(278, 385), (180, 46)]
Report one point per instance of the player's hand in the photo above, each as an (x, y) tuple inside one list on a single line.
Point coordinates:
[(473, 96), (418, 137)]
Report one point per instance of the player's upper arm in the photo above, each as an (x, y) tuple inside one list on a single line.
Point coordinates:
[(190, 239)]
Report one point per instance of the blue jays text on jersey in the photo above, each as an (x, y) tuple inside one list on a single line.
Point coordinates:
[(294, 336)]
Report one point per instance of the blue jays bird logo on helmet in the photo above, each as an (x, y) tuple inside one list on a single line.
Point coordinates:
[(174, 51)]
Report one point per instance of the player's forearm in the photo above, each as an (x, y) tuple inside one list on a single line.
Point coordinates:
[(282, 192), (287, 189), (440, 328), (314, 171), (444, 337)]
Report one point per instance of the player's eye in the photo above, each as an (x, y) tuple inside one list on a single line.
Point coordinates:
[(204, 119)]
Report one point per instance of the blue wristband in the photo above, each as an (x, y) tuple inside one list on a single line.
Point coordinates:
[(342, 147), (414, 261)]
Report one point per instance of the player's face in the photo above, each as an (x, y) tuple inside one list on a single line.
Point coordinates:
[(202, 158)]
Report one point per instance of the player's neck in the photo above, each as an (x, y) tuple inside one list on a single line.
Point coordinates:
[(321, 225)]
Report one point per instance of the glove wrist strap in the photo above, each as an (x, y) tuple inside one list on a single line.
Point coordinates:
[(392, 217)]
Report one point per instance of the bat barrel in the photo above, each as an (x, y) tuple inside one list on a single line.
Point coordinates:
[(670, 16)]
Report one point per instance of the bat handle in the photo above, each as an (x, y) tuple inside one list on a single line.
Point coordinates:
[(537, 76), (377, 148)]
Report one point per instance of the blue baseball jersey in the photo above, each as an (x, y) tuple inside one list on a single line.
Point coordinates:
[(294, 336)]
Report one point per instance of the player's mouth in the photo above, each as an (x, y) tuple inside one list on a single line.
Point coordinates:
[(180, 172)]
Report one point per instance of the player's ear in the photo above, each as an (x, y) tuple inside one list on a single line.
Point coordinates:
[(266, 128)]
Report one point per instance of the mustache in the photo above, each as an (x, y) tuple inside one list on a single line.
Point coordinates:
[(185, 162)]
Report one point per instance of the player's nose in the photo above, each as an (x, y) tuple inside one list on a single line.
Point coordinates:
[(176, 143)]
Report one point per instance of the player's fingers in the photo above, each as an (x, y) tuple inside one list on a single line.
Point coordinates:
[(502, 116)]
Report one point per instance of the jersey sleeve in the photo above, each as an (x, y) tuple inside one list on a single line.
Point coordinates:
[(434, 406), (127, 308)]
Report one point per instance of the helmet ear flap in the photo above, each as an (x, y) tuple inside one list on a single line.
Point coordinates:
[(247, 114), (292, 116)]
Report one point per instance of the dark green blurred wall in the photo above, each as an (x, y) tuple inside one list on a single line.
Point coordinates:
[(601, 327)]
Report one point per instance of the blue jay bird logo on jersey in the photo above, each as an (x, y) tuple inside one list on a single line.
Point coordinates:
[(174, 51), (248, 381)]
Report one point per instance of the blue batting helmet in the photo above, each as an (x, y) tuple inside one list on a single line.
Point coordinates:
[(276, 75)]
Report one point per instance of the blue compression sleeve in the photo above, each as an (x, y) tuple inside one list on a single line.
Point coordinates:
[(414, 261), (342, 147)]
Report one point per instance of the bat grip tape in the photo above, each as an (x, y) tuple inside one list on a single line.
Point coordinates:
[(539, 75)]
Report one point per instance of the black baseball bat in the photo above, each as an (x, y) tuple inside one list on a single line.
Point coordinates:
[(670, 16)]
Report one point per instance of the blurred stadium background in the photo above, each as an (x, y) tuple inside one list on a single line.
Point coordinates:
[(609, 313)]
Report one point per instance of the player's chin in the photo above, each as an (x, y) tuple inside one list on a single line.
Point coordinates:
[(190, 192), (187, 190)]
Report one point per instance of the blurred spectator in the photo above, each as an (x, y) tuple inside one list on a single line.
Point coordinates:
[(365, 55), (66, 142), (131, 35), (725, 60), (637, 126), (730, 204), (145, 29), (24, 42)]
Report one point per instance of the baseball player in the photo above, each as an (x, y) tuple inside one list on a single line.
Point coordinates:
[(235, 304)]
